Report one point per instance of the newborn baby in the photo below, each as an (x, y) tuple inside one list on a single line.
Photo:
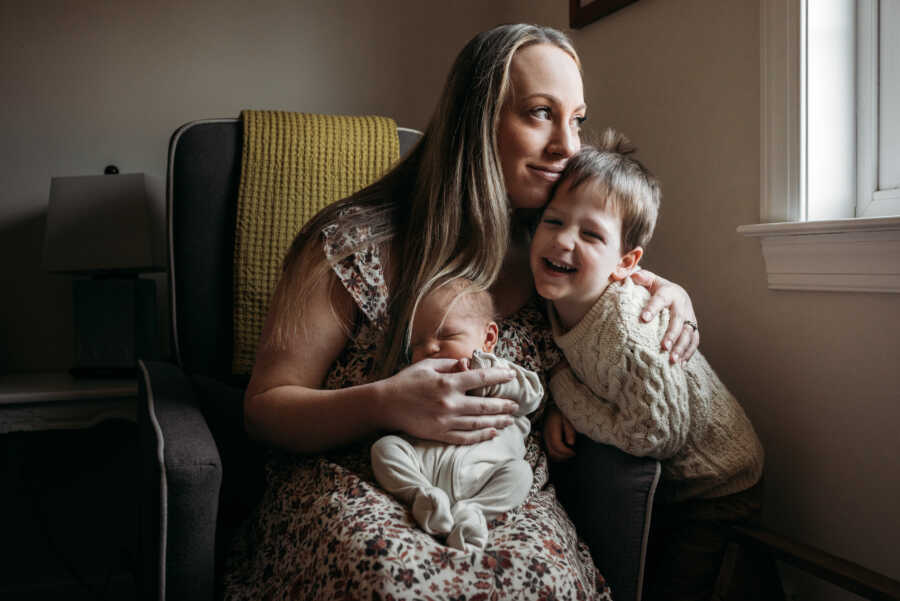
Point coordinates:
[(454, 489)]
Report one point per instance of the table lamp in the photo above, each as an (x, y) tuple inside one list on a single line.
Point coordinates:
[(100, 227)]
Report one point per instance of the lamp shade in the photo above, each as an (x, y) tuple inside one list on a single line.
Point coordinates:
[(101, 224)]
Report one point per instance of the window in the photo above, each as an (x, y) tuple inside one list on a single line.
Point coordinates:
[(853, 103), (830, 138), (878, 106)]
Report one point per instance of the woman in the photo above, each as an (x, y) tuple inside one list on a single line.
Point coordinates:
[(326, 377)]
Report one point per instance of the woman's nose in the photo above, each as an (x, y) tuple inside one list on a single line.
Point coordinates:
[(565, 141)]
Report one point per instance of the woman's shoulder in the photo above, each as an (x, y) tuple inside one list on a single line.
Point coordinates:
[(344, 234), (358, 262)]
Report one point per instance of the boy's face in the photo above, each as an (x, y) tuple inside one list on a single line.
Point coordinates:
[(577, 249), (453, 334)]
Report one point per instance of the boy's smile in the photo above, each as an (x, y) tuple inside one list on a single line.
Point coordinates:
[(577, 250)]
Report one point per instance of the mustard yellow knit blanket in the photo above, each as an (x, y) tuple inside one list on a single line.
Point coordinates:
[(293, 165)]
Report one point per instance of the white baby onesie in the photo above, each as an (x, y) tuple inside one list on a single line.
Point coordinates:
[(454, 489)]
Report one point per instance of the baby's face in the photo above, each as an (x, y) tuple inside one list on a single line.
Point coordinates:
[(577, 247), (453, 334)]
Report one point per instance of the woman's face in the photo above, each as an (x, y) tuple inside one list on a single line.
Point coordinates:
[(539, 122)]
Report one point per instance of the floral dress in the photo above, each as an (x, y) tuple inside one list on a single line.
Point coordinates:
[(325, 530)]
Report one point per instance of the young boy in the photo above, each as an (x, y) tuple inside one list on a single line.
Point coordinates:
[(620, 388), (453, 490)]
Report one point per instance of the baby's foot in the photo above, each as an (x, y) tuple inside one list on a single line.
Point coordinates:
[(470, 532), (431, 508)]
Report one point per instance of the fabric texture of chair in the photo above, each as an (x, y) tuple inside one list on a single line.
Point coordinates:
[(281, 189)]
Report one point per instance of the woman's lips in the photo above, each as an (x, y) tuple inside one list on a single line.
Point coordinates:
[(551, 175)]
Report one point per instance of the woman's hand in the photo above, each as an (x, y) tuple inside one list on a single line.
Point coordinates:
[(428, 400), (559, 435), (682, 337)]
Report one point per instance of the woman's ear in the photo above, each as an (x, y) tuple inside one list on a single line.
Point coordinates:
[(627, 264), (491, 334)]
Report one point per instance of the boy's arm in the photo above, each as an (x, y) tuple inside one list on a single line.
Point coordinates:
[(622, 387), (626, 420)]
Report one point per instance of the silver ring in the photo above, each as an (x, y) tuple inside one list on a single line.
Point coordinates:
[(693, 324)]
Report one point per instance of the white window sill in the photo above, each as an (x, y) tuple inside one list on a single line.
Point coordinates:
[(849, 255)]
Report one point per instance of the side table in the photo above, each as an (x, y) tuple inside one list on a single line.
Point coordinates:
[(67, 466), (56, 400)]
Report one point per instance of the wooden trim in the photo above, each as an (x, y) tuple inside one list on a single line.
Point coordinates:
[(782, 113), (841, 572), (849, 255), (579, 15)]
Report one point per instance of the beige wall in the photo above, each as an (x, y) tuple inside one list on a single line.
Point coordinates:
[(819, 373), (85, 84)]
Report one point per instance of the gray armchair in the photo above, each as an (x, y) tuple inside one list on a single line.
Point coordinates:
[(200, 473)]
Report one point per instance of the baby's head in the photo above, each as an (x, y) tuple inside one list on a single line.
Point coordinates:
[(452, 321), (596, 225)]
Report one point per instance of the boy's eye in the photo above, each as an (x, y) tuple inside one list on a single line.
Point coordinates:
[(552, 221), (594, 236)]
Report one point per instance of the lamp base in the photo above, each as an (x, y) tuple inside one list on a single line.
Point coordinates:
[(116, 324)]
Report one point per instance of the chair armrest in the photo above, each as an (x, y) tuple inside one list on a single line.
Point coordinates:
[(181, 474), (609, 497)]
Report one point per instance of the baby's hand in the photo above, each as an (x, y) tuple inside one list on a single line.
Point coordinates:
[(559, 435)]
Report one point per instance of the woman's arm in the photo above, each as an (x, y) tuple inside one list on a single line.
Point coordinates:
[(286, 405), (681, 338)]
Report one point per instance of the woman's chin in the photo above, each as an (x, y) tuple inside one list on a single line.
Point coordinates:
[(535, 198)]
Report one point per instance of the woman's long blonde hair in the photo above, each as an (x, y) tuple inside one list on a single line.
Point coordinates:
[(443, 208)]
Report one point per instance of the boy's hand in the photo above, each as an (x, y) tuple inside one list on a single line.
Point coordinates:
[(559, 435)]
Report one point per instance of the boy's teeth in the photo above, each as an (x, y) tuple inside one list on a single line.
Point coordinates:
[(559, 267)]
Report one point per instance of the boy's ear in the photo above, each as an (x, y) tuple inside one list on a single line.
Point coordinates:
[(627, 264), (491, 334)]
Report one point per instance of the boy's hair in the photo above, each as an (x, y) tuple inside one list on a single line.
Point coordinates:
[(627, 187)]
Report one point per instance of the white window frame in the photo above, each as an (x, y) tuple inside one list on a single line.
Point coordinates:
[(859, 254), (871, 201)]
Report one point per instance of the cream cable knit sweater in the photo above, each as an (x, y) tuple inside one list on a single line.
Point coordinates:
[(622, 390)]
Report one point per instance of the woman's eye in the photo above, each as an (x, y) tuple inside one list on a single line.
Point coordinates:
[(541, 112), (579, 121)]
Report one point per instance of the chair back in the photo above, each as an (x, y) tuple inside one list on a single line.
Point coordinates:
[(204, 173)]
